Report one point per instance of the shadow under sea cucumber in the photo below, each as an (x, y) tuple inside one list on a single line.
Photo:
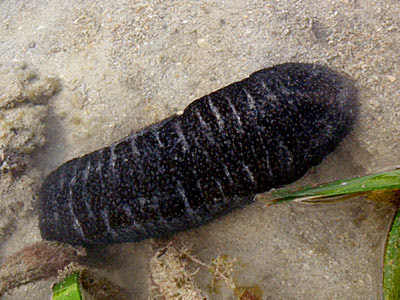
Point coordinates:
[(253, 135)]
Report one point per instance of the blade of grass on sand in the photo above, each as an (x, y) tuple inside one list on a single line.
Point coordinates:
[(341, 188)]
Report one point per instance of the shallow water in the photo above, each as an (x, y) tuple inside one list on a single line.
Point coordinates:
[(127, 64)]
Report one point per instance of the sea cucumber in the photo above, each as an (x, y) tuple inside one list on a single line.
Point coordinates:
[(253, 135)]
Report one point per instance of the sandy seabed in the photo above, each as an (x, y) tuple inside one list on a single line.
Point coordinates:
[(122, 65)]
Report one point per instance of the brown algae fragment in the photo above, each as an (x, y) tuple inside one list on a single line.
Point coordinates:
[(43, 260), (248, 292), (101, 288), (93, 285), (35, 262), (223, 268), (169, 275)]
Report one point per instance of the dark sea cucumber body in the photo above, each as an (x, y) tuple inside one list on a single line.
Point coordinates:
[(253, 135)]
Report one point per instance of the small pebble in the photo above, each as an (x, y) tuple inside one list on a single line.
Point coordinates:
[(32, 44), (204, 44), (391, 78)]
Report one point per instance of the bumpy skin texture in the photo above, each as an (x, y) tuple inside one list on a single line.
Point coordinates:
[(262, 132)]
